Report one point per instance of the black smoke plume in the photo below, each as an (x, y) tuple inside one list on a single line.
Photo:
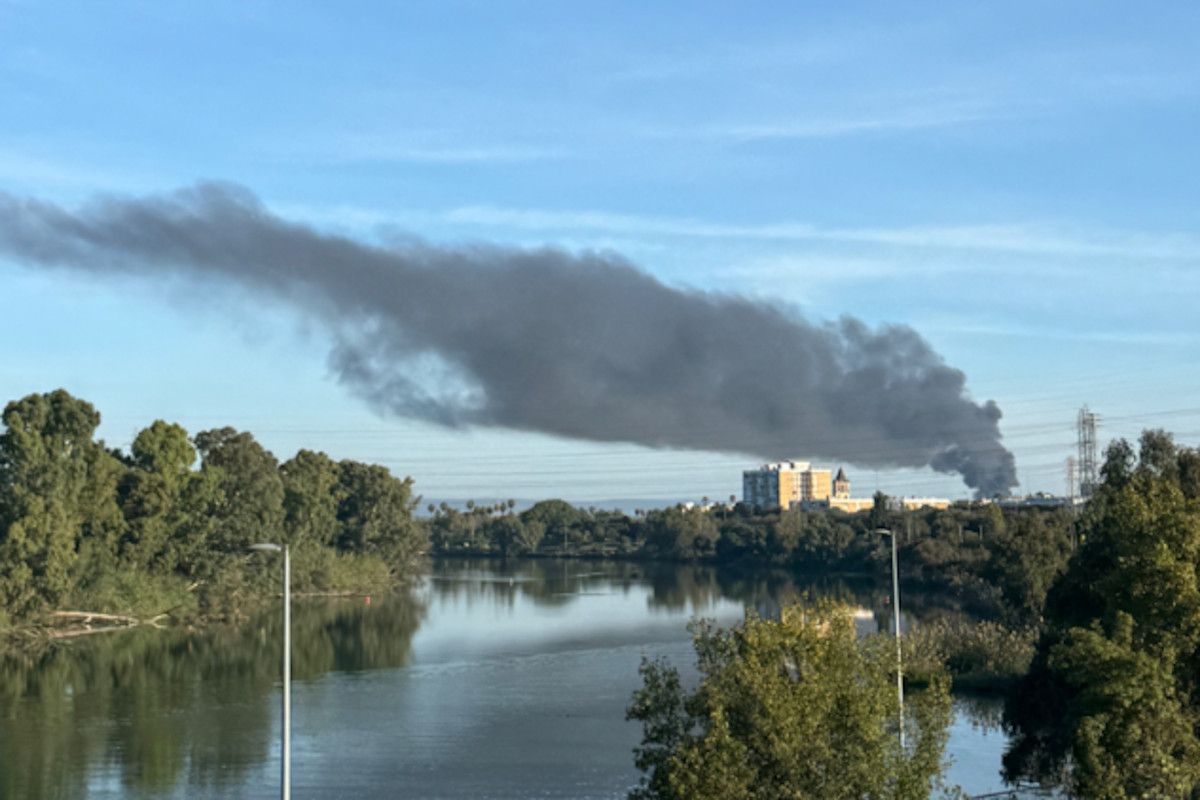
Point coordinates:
[(579, 345)]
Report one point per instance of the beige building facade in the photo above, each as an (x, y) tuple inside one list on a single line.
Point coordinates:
[(914, 503), (851, 505), (784, 484), (797, 484)]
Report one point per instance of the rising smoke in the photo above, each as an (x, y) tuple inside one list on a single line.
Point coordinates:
[(585, 345)]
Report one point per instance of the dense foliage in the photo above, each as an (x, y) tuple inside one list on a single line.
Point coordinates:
[(795, 708), (1111, 705), (997, 564), (152, 529)]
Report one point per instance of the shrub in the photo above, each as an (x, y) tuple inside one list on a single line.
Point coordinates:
[(981, 655)]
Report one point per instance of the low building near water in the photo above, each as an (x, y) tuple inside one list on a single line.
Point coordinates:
[(914, 503)]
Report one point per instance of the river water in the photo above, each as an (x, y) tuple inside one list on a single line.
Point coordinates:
[(485, 681)]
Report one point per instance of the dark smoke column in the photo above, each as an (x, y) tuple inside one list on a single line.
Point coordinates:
[(585, 346)]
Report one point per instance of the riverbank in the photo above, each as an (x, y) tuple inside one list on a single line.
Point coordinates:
[(486, 680), (981, 655), (124, 599)]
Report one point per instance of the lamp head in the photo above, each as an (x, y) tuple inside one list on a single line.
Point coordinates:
[(265, 547)]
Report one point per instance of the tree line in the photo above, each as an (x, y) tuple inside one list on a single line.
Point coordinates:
[(996, 563), (167, 524)]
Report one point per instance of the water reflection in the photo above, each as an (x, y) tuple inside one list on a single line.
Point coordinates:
[(154, 709), (984, 712), (488, 680), (674, 589)]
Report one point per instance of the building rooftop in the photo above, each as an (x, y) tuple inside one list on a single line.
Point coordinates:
[(786, 466)]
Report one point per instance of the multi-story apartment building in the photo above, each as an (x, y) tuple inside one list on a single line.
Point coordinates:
[(786, 483)]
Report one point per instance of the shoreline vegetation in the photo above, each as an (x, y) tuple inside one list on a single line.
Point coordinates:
[(1087, 622), (125, 539)]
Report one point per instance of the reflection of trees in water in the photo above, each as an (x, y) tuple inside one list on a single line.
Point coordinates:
[(673, 587), (149, 700), (543, 581), (984, 712), (349, 636), (168, 707), (767, 591)]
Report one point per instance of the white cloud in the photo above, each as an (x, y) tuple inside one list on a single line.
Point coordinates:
[(1006, 238), (1153, 338), (837, 125)]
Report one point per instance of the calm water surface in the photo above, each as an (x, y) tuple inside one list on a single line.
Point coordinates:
[(487, 681)]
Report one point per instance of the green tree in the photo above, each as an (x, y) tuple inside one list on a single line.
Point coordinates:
[(312, 493), (556, 517), (1112, 700), (375, 514), (1189, 472), (249, 506), (151, 494), (513, 537), (791, 709), (163, 448), (880, 516), (194, 524), (1131, 735), (995, 524), (1156, 455), (57, 499), (1026, 560), (1118, 464), (681, 533)]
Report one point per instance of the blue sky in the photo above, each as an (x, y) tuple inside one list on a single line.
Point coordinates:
[(1017, 181)]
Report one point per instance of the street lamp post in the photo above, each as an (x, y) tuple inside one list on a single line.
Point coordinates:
[(285, 770), (896, 611)]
